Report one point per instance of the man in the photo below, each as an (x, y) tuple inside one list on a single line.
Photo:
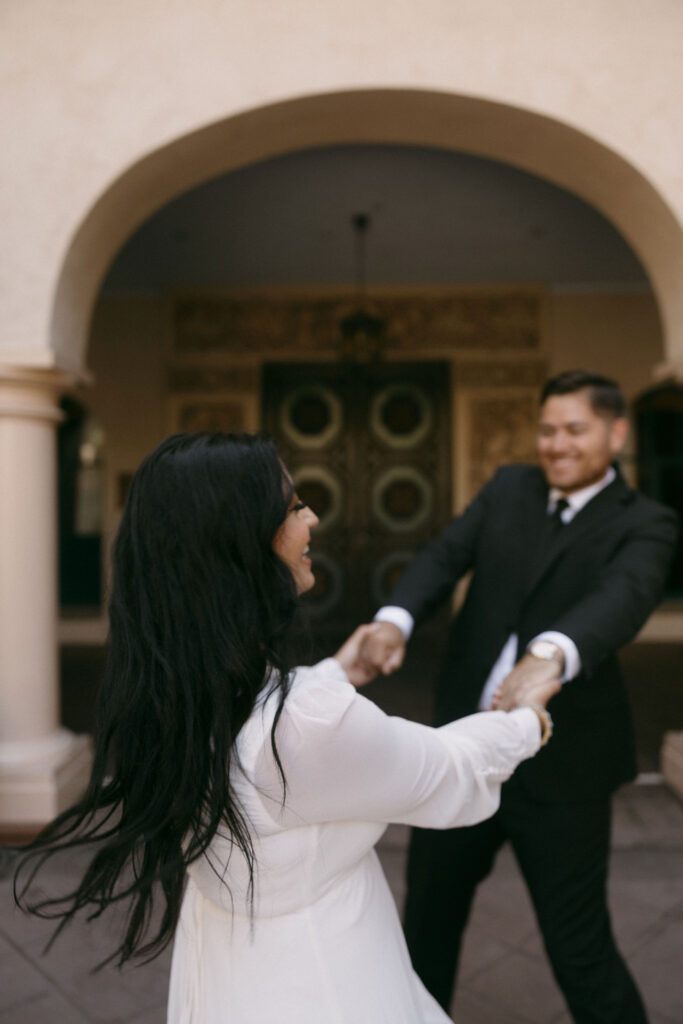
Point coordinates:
[(568, 562)]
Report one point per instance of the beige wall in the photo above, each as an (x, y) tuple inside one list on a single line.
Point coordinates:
[(617, 334), (585, 93), (128, 389)]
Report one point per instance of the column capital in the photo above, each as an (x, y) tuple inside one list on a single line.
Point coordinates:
[(33, 393)]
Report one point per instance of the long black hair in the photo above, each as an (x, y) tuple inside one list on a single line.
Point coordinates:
[(200, 614)]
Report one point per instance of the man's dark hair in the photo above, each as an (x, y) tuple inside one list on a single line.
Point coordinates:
[(604, 394)]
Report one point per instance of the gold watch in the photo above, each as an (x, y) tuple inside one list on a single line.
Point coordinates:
[(546, 650)]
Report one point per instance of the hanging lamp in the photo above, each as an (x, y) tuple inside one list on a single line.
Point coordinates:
[(362, 333)]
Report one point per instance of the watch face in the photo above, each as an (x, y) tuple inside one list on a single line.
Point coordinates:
[(547, 650)]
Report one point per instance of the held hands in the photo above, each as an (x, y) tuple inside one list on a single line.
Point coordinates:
[(384, 648), (372, 648), (532, 681), (358, 668)]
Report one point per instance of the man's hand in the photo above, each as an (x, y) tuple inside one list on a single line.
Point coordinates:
[(532, 681), (384, 648)]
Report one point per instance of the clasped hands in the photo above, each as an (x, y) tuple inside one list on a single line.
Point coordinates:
[(379, 647), (531, 681), (371, 649)]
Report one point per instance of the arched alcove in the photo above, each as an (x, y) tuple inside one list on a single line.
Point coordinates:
[(548, 148)]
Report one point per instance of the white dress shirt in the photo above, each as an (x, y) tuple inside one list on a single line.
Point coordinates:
[(508, 656)]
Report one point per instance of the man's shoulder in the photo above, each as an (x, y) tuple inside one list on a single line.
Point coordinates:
[(648, 508), (518, 475)]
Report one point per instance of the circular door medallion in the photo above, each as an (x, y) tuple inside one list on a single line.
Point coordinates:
[(401, 415), (402, 499), (311, 416), (387, 572), (321, 490)]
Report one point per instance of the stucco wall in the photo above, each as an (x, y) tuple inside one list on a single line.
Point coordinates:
[(617, 334), (88, 90)]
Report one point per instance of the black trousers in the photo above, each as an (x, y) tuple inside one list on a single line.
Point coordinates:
[(563, 853)]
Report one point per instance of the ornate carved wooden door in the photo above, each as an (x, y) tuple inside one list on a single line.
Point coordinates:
[(369, 450)]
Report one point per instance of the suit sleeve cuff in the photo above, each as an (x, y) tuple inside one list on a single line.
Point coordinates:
[(572, 660), (399, 617)]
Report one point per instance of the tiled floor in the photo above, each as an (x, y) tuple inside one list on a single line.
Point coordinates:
[(504, 976)]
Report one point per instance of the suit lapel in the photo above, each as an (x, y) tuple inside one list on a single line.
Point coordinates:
[(600, 509)]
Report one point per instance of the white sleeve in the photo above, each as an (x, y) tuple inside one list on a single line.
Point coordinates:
[(344, 759), (399, 617)]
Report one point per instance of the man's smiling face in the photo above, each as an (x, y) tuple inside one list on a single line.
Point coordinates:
[(576, 444)]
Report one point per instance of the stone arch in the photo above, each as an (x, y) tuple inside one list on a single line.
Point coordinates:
[(559, 152)]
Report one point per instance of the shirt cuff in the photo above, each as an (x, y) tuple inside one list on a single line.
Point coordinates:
[(572, 659), (399, 617), (530, 723)]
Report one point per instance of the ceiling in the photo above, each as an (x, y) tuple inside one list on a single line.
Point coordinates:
[(437, 217)]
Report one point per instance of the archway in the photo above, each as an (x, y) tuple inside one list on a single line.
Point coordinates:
[(552, 149), (249, 149), (522, 138)]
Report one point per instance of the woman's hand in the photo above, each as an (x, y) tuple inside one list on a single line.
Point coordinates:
[(358, 667), (384, 647), (542, 693)]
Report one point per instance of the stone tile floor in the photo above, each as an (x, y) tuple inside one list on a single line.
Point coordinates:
[(504, 977)]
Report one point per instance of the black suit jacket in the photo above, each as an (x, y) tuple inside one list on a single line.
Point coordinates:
[(597, 582)]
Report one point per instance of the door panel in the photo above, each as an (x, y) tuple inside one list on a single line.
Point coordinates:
[(369, 450)]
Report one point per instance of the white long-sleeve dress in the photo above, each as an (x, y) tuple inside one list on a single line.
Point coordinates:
[(324, 944)]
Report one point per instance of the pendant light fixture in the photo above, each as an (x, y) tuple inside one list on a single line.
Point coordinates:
[(362, 333)]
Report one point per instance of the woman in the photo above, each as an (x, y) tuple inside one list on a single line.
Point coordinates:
[(246, 796)]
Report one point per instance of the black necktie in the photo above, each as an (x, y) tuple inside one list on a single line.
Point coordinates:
[(556, 514), (549, 532)]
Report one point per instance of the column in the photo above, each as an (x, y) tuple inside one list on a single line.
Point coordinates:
[(43, 767)]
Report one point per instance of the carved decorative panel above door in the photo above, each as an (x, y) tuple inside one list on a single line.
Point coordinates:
[(369, 450)]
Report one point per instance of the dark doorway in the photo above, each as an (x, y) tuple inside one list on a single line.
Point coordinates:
[(659, 421), (80, 508)]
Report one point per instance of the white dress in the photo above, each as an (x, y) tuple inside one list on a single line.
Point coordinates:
[(324, 944)]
